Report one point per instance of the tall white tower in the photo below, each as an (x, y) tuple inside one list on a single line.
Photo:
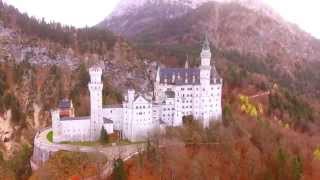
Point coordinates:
[(205, 73), (56, 126), (95, 88), (205, 67)]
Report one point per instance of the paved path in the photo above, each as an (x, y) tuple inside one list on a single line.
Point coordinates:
[(260, 94), (43, 149)]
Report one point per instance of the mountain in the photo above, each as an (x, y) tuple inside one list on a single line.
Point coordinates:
[(168, 9), (248, 33)]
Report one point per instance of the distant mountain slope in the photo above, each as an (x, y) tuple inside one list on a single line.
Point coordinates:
[(168, 9), (281, 49)]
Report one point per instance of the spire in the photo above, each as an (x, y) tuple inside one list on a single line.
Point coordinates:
[(206, 52), (158, 73), (186, 66), (206, 44)]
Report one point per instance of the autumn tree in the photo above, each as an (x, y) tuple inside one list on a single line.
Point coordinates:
[(296, 168)]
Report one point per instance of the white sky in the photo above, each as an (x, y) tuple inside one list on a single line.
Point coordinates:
[(80, 13)]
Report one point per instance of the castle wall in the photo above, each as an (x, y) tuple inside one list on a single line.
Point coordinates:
[(75, 130), (168, 111), (138, 122), (115, 114), (43, 149), (201, 101)]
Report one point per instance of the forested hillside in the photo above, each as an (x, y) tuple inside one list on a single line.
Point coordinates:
[(42, 63)]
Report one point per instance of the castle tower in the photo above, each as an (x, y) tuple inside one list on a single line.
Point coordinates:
[(186, 65), (156, 85), (95, 88), (205, 67), (56, 126), (158, 74), (128, 130), (205, 73)]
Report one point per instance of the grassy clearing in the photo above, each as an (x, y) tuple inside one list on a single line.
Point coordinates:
[(50, 136)]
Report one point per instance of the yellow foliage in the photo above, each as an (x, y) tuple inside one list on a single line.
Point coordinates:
[(254, 112), (244, 99), (316, 154), (286, 126), (248, 107), (243, 108)]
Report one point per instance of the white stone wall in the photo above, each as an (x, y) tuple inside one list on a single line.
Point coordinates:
[(108, 127), (138, 119), (116, 115), (156, 112), (168, 111), (75, 130)]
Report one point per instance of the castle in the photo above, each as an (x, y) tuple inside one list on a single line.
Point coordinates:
[(178, 92)]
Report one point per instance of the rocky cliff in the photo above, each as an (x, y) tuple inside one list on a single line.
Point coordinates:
[(41, 63)]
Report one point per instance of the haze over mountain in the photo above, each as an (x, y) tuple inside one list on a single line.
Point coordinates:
[(247, 28), (125, 6)]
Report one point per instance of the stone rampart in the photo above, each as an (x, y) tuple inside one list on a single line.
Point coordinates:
[(43, 149)]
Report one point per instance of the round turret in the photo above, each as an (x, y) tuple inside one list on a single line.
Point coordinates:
[(131, 94)]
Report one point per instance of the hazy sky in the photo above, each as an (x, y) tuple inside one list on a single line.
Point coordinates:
[(80, 13)]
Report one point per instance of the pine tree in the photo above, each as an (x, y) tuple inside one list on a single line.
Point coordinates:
[(104, 139), (119, 172), (297, 168)]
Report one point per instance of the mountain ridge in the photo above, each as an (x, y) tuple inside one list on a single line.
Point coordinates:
[(126, 6), (283, 48)]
